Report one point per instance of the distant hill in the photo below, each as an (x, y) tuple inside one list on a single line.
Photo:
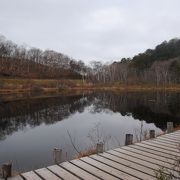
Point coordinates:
[(160, 66), (20, 61), (162, 52)]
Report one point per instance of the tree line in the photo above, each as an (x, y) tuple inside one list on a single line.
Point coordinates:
[(22, 61), (160, 66)]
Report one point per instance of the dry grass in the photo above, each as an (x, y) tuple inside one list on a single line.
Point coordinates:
[(53, 85), (177, 128), (86, 153)]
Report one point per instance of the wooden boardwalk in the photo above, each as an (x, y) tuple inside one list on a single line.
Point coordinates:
[(137, 161)]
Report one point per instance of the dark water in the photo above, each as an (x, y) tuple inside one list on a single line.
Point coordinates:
[(30, 129)]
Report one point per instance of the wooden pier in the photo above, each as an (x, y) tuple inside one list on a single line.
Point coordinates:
[(132, 162)]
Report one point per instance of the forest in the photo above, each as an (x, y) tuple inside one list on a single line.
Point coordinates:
[(158, 66)]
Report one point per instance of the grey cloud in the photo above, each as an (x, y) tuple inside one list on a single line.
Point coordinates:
[(91, 30)]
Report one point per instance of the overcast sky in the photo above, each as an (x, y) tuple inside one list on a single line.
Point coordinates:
[(89, 30)]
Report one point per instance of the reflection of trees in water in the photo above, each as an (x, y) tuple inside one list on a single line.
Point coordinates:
[(154, 107), (18, 114)]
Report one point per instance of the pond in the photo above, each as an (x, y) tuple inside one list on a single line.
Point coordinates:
[(31, 128)]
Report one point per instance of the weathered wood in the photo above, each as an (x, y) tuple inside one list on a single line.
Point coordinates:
[(166, 142), (129, 139), (172, 134), (46, 174), (173, 138), (170, 153), (118, 173), (169, 140), (161, 146), (93, 170), (31, 176), (62, 173), (146, 161), (152, 134), (141, 159), (57, 155), (152, 151), (170, 127), (111, 155), (176, 132), (149, 154), (7, 170), (177, 140), (78, 171), (132, 162), (174, 146), (129, 170), (99, 147)]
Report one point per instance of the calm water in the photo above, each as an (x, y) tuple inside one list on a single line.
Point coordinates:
[(30, 129)]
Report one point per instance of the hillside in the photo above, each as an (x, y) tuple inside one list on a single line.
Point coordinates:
[(162, 52), (23, 62), (159, 66)]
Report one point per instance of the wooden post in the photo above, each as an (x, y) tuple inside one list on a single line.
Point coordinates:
[(57, 155), (129, 139), (152, 134), (169, 127), (7, 170), (99, 148)]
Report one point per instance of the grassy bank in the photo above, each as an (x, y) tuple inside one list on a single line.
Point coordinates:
[(40, 85), (8, 86)]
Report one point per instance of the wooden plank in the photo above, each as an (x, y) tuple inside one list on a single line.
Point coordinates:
[(141, 159), (176, 140), (109, 169), (170, 153), (155, 141), (78, 171), (176, 132), (15, 178), (99, 173), (128, 162), (31, 176), (158, 153), (46, 174), (149, 154), (138, 161), (169, 144), (62, 173), (166, 142), (173, 135), (161, 146), (146, 161), (126, 169)]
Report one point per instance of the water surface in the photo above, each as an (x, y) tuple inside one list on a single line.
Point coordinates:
[(31, 128)]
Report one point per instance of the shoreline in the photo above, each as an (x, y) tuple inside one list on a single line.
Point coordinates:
[(47, 86), (128, 88)]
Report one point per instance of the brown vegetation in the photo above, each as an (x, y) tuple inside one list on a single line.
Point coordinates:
[(8, 86), (86, 153)]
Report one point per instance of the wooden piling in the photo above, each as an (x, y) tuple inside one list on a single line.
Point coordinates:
[(129, 139), (99, 148), (7, 170), (152, 134), (57, 155), (170, 127)]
